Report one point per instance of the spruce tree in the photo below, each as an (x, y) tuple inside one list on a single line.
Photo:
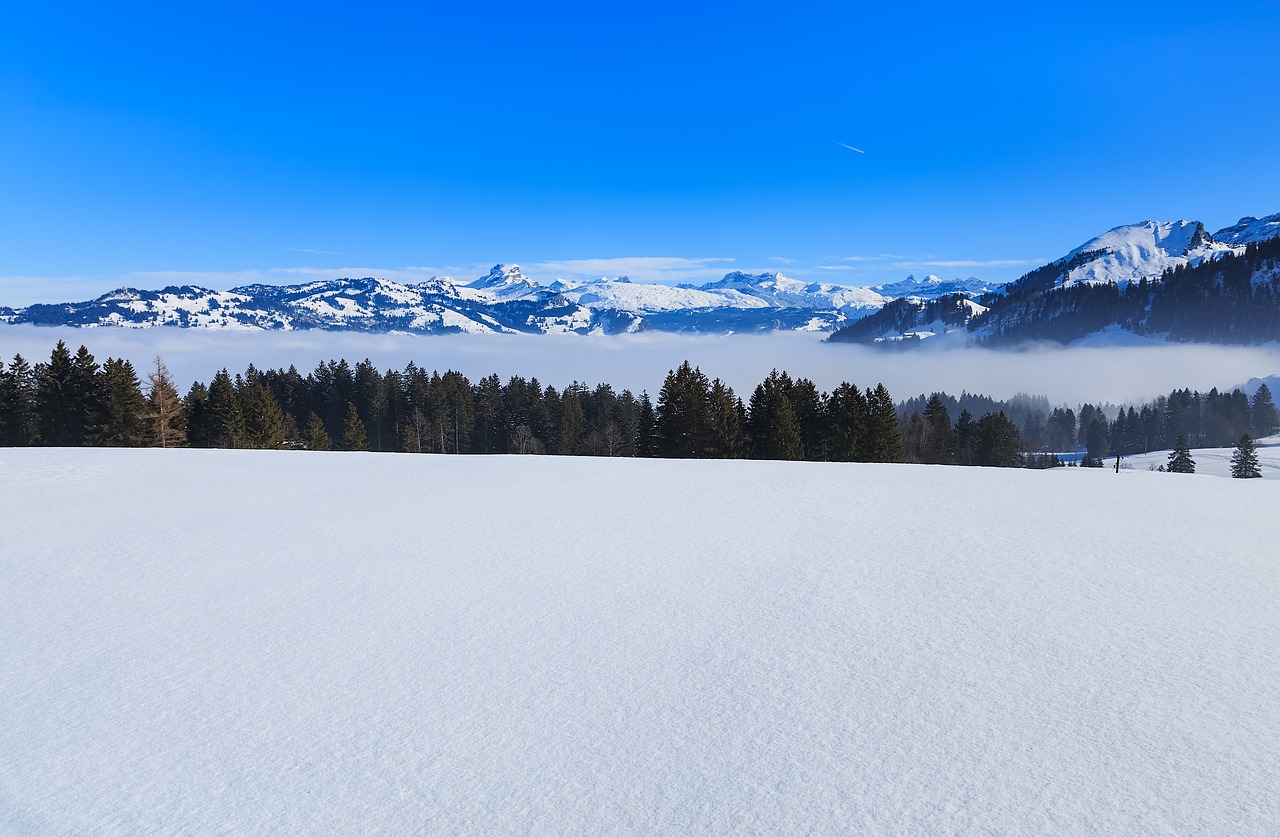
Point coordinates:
[(997, 442), (965, 427), (121, 408), (263, 419), (883, 442), (683, 416), (316, 437), (772, 425), (354, 436), (18, 419), (1180, 461), (56, 400), (846, 421), (225, 414), (646, 426), (1244, 460), (1263, 417)]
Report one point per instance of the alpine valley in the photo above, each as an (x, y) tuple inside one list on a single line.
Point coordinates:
[(1164, 280)]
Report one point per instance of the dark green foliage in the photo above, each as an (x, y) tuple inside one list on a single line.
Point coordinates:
[(18, 403), (1263, 417), (315, 437), (772, 425), (966, 432), (683, 417), (846, 420), (264, 425), (1180, 461), (58, 412), (646, 427), (354, 436), (122, 407), (883, 439), (1244, 459), (996, 442), (223, 418), (939, 442)]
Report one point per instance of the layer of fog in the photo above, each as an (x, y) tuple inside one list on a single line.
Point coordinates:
[(1116, 374)]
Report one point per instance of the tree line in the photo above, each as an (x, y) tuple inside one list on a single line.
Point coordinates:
[(72, 400)]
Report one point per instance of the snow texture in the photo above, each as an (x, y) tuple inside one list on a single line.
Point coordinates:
[(291, 643)]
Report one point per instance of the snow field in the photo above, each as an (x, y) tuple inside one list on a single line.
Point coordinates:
[(282, 642)]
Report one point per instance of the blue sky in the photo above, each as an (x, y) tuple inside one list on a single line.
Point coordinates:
[(228, 143)]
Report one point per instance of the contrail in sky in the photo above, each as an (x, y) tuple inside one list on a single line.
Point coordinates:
[(851, 148)]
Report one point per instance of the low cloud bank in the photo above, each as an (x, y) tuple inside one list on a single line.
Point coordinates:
[(639, 362)]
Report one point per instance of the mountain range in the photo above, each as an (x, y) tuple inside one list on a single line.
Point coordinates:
[(506, 301), (1163, 280)]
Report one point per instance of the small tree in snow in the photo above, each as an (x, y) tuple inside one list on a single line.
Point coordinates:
[(1244, 460), (1180, 461)]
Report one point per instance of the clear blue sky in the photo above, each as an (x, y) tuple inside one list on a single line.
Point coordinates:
[(234, 141)]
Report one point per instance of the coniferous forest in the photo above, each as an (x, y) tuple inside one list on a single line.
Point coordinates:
[(73, 400)]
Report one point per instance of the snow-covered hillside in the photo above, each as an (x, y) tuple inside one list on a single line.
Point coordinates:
[(280, 642), (1147, 249)]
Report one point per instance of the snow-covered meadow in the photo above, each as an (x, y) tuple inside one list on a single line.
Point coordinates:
[(284, 642)]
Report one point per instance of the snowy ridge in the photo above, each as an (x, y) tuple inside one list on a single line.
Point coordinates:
[(1249, 230), (1144, 250), (932, 287)]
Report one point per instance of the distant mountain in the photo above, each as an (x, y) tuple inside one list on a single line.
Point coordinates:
[(932, 287), (504, 300), (1167, 280)]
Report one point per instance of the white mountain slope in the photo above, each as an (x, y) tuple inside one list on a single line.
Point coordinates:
[(1145, 250), (278, 642)]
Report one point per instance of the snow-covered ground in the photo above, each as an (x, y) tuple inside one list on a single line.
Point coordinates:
[(1213, 461), (277, 642)]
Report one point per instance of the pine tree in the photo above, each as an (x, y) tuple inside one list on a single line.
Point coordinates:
[(317, 438), (997, 442), (646, 427), (354, 436), (939, 438), (263, 418), (1263, 417), (1244, 460), (225, 414), (1180, 461), (883, 442), (572, 421), (683, 417), (18, 418), (165, 420), (771, 420), (121, 408), (846, 421)]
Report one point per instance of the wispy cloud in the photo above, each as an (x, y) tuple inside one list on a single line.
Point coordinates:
[(313, 252), (972, 263), (850, 147)]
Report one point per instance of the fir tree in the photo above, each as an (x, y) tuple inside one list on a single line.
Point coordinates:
[(263, 419), (121, 408), (646, 427), (771, 420), (997, 442), (846, 420), (1263, 417), (883, 442), (18, 419), (316, 437), (939, 438), (1244, 460), (683, 418), (225, 416), (965, 427), (1180, 461), (354, 436)]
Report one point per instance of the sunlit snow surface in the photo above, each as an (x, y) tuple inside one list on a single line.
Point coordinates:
[(279, 642)]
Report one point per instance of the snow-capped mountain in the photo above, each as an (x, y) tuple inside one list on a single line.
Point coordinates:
[(1249, 230), (1169, 280), (504, 300), (932, 287)]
